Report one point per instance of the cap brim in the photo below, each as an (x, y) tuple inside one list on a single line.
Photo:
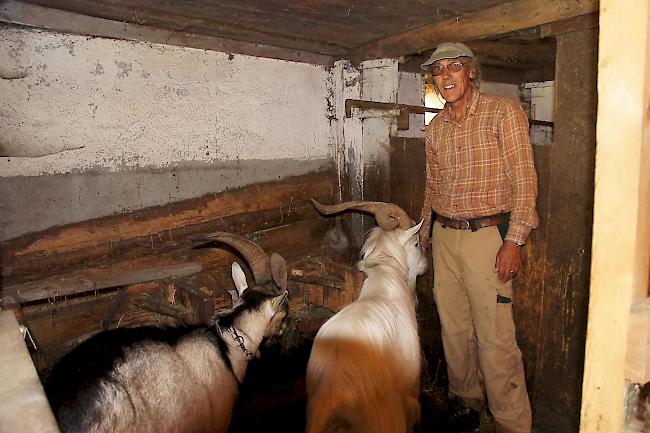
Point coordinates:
[(449, 54)]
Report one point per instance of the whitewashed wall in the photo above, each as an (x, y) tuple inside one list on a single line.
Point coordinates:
[(93, 126)]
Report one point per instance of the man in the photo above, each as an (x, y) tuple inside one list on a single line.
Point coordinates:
[(482, 186)]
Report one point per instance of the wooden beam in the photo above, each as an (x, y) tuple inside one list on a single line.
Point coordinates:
[(372, 105), (496, 20), (515, 54), (162, 244), (88, 281), (289, 240), (156, 221), (61, 21), (621, 237), (583, 22)]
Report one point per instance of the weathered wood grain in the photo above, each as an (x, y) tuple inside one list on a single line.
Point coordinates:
[(500, 19), (159, 221)]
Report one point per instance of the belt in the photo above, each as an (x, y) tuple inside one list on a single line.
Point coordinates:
[(474, 224)]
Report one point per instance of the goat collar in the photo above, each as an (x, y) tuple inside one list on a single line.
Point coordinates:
[(240, 340)]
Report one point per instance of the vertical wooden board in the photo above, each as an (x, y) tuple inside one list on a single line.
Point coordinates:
[(407, 179), (560, 351), (407, 174), (529, 285), (621, 236)]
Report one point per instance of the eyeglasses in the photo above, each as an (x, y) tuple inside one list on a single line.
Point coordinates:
[(452, 67)]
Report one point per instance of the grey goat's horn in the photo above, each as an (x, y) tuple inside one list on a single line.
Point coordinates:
[(257, 259), (388, 215)]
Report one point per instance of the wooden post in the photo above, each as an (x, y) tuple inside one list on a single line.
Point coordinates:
[(621, 238)]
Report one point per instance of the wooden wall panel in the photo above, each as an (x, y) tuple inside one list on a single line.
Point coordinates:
[(407, 176), (162, 236), (143, 267), (553, 314)]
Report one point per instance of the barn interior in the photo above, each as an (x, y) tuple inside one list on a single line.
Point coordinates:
[(131, 127)]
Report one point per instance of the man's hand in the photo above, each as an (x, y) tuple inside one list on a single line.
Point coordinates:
[(508, 261)]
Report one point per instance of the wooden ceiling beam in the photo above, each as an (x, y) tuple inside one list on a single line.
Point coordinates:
[(504, 18), (16, 12), (515, 54)]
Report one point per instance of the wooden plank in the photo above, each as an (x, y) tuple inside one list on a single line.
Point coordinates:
[(621, 234), (407, 179), (496, 20), (89, 281), (568, 216), (583, 22), (153, 221), (68, 22), (289, 240), (350, 104), (23, 405), (637, 368), (21, 269)]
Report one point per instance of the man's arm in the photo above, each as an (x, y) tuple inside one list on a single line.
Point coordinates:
[(520, 169), (429, 190)]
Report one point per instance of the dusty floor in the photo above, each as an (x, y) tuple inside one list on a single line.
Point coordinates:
[(273, 397)]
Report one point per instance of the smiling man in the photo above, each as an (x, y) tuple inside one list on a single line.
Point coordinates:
[(479, 204)]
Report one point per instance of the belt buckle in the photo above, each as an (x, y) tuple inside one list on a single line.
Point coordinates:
[(465, 228)]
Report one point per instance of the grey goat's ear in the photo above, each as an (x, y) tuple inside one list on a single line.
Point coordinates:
[(279, 271)]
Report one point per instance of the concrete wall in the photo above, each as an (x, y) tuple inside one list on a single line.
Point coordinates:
[(94, 126)]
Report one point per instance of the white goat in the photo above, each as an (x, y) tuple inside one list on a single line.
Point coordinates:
[(181, 380), (363, 373)]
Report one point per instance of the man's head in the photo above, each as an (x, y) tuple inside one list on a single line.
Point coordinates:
[(454, 68)]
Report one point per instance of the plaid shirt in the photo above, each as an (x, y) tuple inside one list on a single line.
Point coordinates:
[(482, 166)]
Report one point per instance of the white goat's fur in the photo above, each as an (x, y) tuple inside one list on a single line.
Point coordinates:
[(363, 373)]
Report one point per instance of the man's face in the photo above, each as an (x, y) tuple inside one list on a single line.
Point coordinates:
[(453, 79)]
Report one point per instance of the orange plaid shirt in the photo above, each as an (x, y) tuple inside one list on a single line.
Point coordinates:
[(482, 166)]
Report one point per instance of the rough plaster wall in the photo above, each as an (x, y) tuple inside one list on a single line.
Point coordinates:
[(145, 124)]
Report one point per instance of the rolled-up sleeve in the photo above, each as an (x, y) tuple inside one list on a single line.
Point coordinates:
[(520, 169)]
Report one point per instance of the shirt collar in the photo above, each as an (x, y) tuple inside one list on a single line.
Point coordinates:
[(471, 107)]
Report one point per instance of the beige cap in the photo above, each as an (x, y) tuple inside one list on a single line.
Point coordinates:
[(448, 50)]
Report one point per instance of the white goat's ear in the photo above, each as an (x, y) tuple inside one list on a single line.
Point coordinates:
[(239, 278), (368, 250), (408, 234)]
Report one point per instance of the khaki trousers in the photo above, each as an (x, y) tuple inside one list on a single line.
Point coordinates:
[(478, 334)]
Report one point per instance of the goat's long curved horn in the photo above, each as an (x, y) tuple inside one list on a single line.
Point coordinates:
[(257, 259), (388, 215)]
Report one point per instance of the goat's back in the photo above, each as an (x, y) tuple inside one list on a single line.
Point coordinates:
[(142, 384), (363, 371)]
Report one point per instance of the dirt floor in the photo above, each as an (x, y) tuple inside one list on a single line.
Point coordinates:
[(273, 396)]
